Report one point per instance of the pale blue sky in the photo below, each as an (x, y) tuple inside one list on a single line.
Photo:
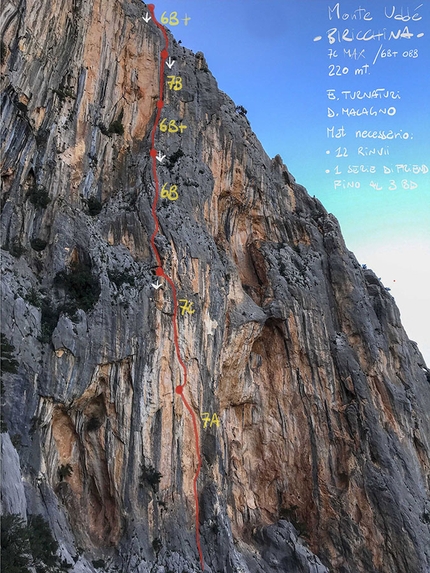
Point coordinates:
[(264, 56)]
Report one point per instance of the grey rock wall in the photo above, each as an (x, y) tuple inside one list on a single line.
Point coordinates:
[(13, 495), (323, 446)]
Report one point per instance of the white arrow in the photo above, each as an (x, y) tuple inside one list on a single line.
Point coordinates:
[(170, 63), (147, 17), (157, 286), (160, 157)]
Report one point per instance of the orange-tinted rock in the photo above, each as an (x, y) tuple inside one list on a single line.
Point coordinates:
[(324, 402)]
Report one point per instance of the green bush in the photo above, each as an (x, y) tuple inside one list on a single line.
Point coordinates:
[(39, 197), (44, 547), (65, 470), (14, 544), (38, 244), (82, 290), (99, 563), (49, 320), (150, 476), (29, 545), (34, 298), (80, 285), (94, 206)]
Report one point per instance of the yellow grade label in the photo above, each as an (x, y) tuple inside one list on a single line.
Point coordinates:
[(171, 127), (172, 19), (208, 420), (174, 83), (186, 307), (170, 193)]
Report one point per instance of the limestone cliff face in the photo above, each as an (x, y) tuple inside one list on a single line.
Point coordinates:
[(323, 401)]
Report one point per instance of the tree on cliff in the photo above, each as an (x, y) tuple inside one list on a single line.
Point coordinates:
[(29, 545)]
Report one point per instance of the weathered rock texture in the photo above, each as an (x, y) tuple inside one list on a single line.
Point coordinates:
[(324, 402)]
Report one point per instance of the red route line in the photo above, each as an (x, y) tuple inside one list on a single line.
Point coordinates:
[(160, 273)]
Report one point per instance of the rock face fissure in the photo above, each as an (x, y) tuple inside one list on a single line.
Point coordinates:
[(321, 459), (173, 195)]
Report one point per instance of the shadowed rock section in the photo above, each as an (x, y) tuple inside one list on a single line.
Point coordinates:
[(321, 461)]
